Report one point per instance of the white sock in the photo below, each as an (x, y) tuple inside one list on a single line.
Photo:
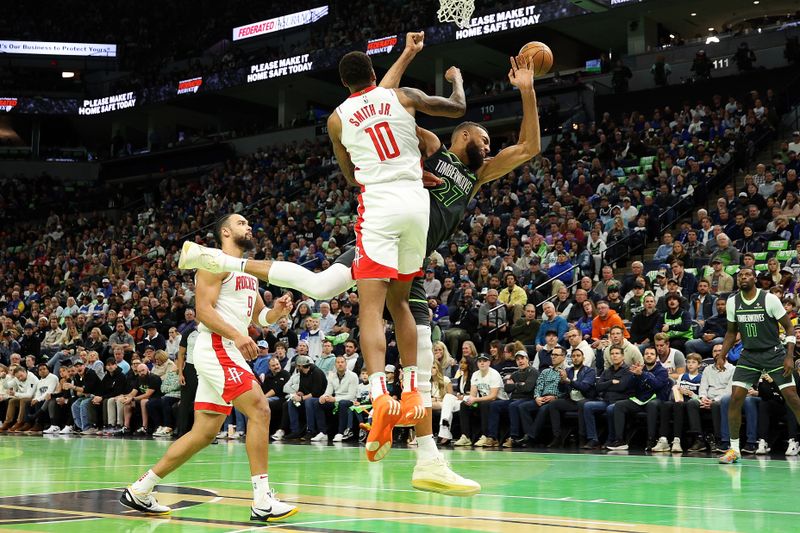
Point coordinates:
[(146, 483), (260, 487), (233, 264), (377, 384), (426, 448), (735, 446), (409, 379)]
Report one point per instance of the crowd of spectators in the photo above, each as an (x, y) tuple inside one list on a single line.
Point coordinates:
[(97, 309)]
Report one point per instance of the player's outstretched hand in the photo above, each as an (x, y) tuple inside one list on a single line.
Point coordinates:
[(520, 75), (284, 305), (415, 41), (247, 347), (430, 180), (453, 74)]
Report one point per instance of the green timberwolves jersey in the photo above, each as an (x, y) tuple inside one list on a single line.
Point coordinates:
[(449, 200), (757, 322)]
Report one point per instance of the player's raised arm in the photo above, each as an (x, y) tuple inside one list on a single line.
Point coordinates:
[(453, 107), (530, 141), (208, 286), (414, 44), (342, 156)]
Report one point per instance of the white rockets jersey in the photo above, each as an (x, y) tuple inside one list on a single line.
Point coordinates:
[(236, 301), (380, 136)]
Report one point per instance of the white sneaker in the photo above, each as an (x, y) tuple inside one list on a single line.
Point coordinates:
[(676, 445), (481, 442), (463, 441), (222, 435), (338, 437), (195, 256), (435, 475), (236, 435), (762, 449), (661, 446), (67, 431), (51, 430), (271, 509), (793, 448), (278, 435), (167, 432), (89, 431), (146, 503), (320, 437), (444, 433), (158, 431)]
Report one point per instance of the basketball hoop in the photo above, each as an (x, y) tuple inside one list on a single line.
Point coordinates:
[(457, 11)]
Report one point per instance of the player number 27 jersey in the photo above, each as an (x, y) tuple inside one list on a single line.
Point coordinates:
[(380, 136)]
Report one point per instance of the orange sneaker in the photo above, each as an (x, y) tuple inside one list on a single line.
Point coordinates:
[(385, 415), (411, 409)]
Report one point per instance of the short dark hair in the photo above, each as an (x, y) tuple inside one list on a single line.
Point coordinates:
[(355, 69), (218, 225), (467, 124)]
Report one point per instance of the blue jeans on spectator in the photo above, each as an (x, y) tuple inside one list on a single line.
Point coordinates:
[(590, 408), (54, 363), (236, 418), (315, 415), (496, 410), (515, 422), (750, 415), (294, 416), (702, 347), (530, 426), (80, 412)]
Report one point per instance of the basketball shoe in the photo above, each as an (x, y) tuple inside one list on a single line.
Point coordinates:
[(271, 509), (731, 456), (145, 503), (195, 256), (435, 475), (386, 413), (411, 409)]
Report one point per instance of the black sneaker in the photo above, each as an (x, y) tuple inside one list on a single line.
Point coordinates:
[(749, 448), (308, 436), (698, 446), (295, 435), (617, 446), (722, 447), (520, 442), (591, 445)]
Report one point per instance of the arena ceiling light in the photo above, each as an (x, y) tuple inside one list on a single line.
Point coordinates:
[(692, 14), (67, 74), (710, 29)]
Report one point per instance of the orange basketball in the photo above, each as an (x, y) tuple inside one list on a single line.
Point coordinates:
[(540, 57)]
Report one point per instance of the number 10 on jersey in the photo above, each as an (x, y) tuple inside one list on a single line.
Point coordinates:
[(383, 140)]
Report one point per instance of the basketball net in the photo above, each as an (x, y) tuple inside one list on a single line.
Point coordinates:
[(457, 11)]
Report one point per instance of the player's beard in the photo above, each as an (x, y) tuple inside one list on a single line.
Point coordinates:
[(474, 156), (244, 243)]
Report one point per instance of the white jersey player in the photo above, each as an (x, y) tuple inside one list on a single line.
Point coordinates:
[(226, 305), (374, 138)]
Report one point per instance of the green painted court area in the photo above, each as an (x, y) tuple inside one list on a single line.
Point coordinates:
[(72, 484)]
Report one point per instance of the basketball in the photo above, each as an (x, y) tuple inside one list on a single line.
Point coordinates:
[(540, 56)]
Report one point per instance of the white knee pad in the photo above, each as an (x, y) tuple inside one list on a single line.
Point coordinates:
[(424, 364)]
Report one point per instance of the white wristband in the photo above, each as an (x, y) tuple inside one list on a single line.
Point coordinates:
[(790, 339), (262, 317)]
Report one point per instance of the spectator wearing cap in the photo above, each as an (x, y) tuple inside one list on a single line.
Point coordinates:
[(713, 332), (153, 337), (261, 362), (614, 299), (99, 307), (431, 285), (578, 383), (29, 343), (312, 384), (701, 303), (513, 296), (719, 281), (486, 386), (635, 301), (519, 387)]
